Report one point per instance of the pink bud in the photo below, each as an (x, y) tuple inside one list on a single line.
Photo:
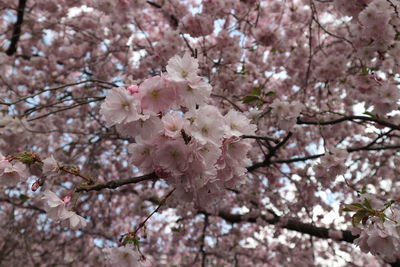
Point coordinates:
[(67, 199), (133, 89), (35, 186)]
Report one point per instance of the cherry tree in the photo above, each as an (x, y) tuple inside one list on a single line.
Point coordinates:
[(199, 133)]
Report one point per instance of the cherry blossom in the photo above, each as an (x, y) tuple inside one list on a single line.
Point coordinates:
[(126, 256), (182, 69), (55, 209), (120, 107), (11, 173), (157, 94)]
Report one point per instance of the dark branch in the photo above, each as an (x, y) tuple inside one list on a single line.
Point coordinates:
[(351, 118), (299, 159), (290, 224), (17, 28), (271, 154), (174, 20), (21, 204), (116, 183)]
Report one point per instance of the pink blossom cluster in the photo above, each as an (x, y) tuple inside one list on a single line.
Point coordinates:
[(286, 113), (377, 30), (12, 130), (374, 25), (332, 164), (180, 137), (266, 36), (350, 7), (381, 94), (197, 25), (377, 236)]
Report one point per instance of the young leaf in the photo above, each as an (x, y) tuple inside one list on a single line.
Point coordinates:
[(358, 217), (250, 98)]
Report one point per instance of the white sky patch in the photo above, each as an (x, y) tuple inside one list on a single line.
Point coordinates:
[(76, 11), (241, 211)]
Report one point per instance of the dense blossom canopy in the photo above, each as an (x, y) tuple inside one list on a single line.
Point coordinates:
[(199, 133)]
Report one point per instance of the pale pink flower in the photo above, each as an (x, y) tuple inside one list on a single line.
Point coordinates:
[(193, 93), (207, 124), (126, 256), (203, 156), (236, 151), (55, 209), (238, 124), (173, 124), (75, 221), (381, 242), (157, 94), (146, 127), (120, 107), (286, 113), (11, 174), (53, 205), (172, 156), (184, 68), (50, 167), (141, 155)]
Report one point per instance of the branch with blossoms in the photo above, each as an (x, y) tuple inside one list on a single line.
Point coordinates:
[(377, 223), (320, 232)]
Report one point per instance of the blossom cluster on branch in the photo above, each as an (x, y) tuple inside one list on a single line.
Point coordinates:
[(199, 133), (178, 135)]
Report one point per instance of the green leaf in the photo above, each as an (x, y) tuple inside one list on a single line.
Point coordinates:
[(250, 98), (367, 203), (382, 216), (388, 203), (358, 217), (270, 93), (364, 188), (23, 197), (133, 240), (364, 70), (276, 50), (256, 91), (27, 157)]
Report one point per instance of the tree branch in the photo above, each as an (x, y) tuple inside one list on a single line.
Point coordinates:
[(271, 153), (290, 224), (116, 183), (299, 159), (351, 118), (17, 28)]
